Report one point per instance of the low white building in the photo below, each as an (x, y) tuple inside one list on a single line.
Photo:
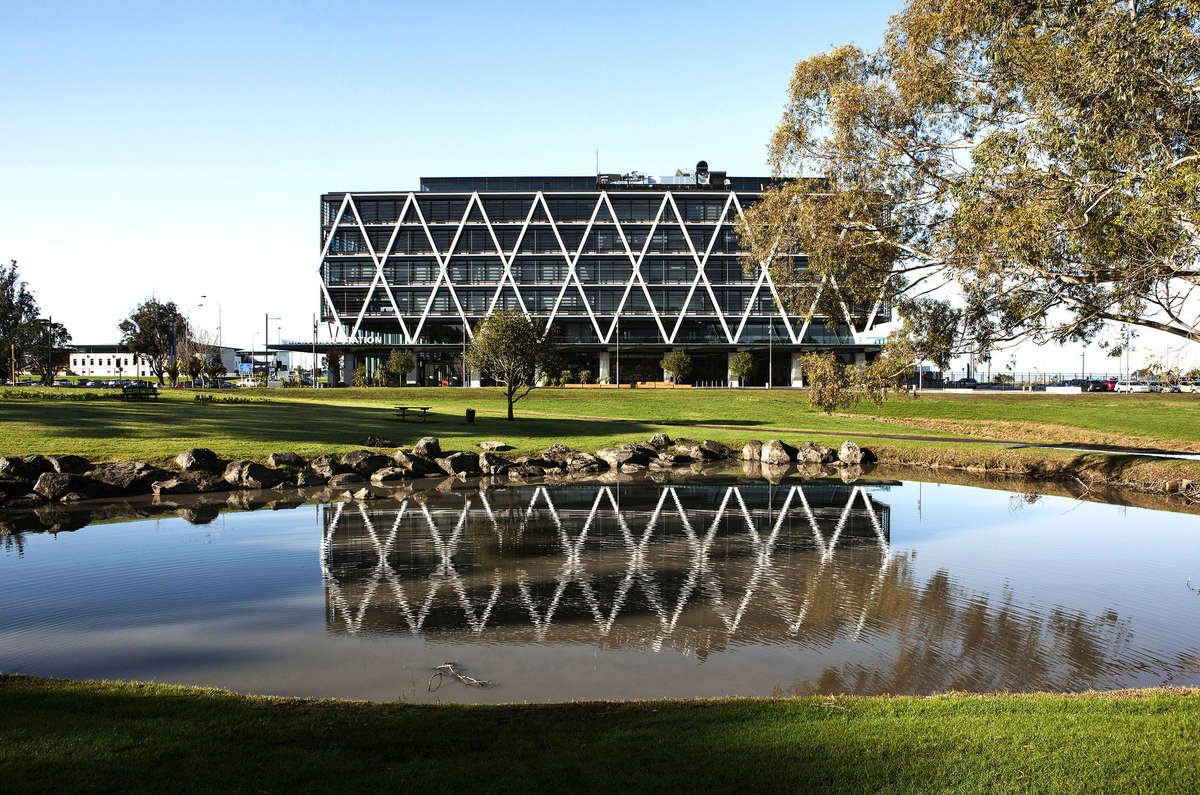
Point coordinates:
[(115, 361), (107, 361)]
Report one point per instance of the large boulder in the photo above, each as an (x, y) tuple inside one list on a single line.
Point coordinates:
[(365, 462), (286, 461), (851, 453), (198, 459), (459, 463), (810, 453), (179, 485), (492, 464), (417, 466), (558, 453), (660, 441), (326, 466), (390, 476), (128, 477), (26, 467), (621, 454), (346, 479), (706, 450), (257, 476), (233, 472), (70, 464), (308, 479), (752, 451), (777, 452), (584, 462), (56, 485), (428, 446), (715, 451), (494, 445)]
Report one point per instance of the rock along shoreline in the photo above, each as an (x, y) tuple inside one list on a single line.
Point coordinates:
[(32, 481)]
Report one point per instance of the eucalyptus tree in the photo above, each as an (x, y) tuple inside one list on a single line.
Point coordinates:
[(1037, 161)]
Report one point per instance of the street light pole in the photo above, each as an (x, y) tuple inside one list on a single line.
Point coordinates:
[(770, 352)]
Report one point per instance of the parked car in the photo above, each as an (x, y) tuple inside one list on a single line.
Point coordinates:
[(1096, 386), (63, 382), (1134, 386), (964, 383), (1190, 385)]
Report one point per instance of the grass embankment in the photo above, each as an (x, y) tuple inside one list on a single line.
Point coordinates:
[(57, 735), (311, 422)]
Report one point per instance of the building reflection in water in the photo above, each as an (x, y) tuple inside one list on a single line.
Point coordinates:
[(700, 569)]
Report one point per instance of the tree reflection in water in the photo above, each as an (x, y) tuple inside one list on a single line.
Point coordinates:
[(701, 569)]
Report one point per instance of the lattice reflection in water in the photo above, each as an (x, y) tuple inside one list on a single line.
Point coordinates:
[(699, 570)]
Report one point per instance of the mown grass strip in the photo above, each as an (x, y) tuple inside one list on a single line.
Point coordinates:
[(58, 735)]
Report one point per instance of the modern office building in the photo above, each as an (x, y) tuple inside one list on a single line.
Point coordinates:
[(622, 267)]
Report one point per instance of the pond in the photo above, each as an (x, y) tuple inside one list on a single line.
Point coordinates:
[(716, 586)]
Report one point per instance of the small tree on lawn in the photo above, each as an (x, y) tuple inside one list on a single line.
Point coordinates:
[(741, 366), (399, 364), (193, 368), (513, 350), (214, 368), (678, 364), (585, 376), (360, 375), (172, 371)]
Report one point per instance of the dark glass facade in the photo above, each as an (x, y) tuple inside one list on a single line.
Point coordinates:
[(644, 265)]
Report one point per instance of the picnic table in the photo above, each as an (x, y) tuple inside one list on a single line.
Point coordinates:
[(139, 392), (402, 412)]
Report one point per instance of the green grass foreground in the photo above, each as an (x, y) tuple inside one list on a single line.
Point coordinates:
[(311, 422), (57, 735)]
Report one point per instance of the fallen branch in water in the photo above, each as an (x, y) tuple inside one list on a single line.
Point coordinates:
[(448, 669)]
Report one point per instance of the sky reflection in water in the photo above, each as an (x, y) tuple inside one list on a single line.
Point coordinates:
[(719, 587)]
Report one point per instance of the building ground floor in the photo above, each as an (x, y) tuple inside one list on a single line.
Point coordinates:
[(442, 365)]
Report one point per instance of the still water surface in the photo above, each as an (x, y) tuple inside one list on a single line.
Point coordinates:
[(556, 592)]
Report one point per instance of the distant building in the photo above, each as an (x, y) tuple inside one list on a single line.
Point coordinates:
[(624, 267), (116, 361)]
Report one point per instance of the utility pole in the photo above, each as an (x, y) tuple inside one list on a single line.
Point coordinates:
[(266, 339), (49, 351), (770, 352)]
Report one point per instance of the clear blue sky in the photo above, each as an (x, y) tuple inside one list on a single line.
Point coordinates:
[(181, 149)]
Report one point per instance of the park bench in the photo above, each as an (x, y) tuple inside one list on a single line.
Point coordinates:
[(139, 392), (402, 412)]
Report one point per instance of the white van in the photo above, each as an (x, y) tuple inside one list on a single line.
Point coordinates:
[(1132, 386)]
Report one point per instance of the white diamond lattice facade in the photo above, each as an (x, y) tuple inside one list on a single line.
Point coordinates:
[(623, 268)]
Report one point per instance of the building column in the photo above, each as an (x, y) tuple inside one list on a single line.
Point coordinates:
[(797, 370), (604, 371), (474, 378), (348, 365)]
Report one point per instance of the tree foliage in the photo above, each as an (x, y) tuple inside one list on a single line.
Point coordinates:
[(398, 365), (1041, 158), (678, 364), (23, 335), (741, 366), (147, 332), (512, 349)]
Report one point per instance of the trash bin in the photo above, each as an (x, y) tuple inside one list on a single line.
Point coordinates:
[(470, 416)]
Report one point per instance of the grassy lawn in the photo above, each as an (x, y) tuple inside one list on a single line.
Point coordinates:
[(311, 422), (57, 735)]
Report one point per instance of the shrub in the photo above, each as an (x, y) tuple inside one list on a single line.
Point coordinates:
[(585, 377)]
